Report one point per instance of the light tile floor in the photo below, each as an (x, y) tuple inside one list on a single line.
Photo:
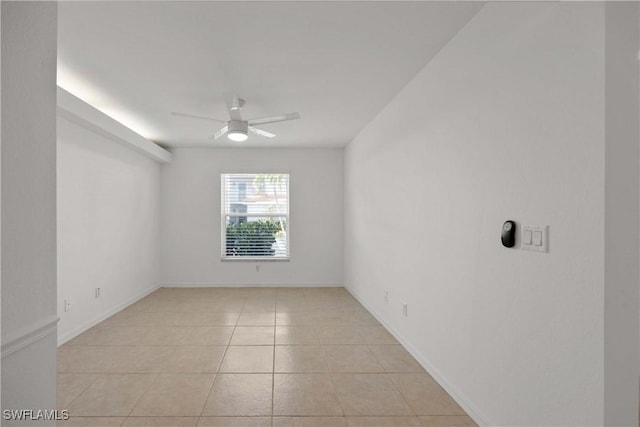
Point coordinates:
[(248, 357)]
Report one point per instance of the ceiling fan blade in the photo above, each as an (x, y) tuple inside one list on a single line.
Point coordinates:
[(220, 132), (192, 116), (261, 132), (234, 104), (273, 119)]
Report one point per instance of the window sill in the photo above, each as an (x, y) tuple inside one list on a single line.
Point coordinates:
[(253, 259)]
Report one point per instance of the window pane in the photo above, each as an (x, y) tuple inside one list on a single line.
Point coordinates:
[(256, 236), (260, 193)]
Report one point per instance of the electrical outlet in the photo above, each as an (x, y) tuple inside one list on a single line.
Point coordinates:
[(404, 309), (98, 293), (67, 305), (386, 296)]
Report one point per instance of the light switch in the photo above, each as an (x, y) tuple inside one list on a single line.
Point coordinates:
[(537, 238)]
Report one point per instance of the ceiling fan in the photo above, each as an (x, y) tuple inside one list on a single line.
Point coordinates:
[(237, 129)]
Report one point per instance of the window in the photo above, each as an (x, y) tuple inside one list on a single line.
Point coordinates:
[(255, 216)]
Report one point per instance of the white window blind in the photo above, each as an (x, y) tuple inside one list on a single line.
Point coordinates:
[(255, 216)]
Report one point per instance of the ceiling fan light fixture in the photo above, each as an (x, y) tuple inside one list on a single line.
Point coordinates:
[(238, 131), (237, 136)]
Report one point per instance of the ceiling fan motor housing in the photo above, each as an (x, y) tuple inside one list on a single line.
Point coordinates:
[(237, 126)]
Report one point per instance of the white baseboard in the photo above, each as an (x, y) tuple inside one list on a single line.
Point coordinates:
[(92, 322), (249, 285), (464, 403)]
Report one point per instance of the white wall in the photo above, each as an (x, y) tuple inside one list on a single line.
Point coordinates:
[(0, 195), (191, 217), (506, 122), (622, 168), (28, 206), (108, 226)]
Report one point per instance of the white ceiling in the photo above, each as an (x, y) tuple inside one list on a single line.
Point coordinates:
[(337, 63)]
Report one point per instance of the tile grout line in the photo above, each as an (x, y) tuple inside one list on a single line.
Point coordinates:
[(217, 373), (81, 392), (333, 384), (273, 365), (133, 408), (215, 378), (329, 373)]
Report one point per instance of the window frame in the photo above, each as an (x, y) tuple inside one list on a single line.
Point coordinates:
[(224, 214)]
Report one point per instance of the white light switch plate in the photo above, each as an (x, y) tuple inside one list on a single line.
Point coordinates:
[(539, 238)]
